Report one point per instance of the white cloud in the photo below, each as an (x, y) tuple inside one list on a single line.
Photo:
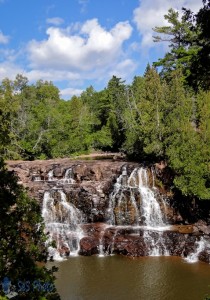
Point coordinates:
[(4, 39), (55, 21), (53, 75), (83, 4), (69, 92), (151, 13), (10, 70), (90, 48), (73, 55), (123, 69)]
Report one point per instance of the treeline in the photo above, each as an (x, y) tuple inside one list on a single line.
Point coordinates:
[(151, 119), (160, 116)]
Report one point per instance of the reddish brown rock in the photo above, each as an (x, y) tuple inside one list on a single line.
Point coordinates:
[(90, 193), (89, 246)]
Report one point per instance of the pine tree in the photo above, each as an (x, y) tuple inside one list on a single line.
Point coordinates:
[(116, 99), (184, 146)]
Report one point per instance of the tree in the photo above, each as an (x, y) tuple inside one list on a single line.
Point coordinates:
[(179, 35), (116, 98), (186, 152), (144, 116), (22, 241), (8, 109), (200, 67), (189, 44), (34, 120), (152, 114), (133, 144)]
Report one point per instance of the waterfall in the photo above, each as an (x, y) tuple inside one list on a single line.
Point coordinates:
[(113, 241), (123, 208), (101, 252), (101, 248), (62, 221), (67, 179), (135, 189), (151, 211), (50, 175), (155, 243), (152, 216), (69, 176), (112, 199), (133, 202), (200, 246)]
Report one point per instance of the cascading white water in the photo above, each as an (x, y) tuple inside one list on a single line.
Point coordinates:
[(147, 212), (150, 207), (151, 214), (137, 183), (111, 248), (69, 176), (112, 201), (62, 221), (118, 200), (50, 175), (101, 252), (200, 246)]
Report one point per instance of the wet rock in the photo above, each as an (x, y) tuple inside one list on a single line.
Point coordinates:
[(90, 194), (64, 251), (89, 246), (202, 227), (205, 256), (185, 229), (133, 241), (58, 172)]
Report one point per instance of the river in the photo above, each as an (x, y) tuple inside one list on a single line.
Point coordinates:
[(121, 278)]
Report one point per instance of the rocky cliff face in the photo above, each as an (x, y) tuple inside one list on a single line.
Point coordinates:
[(87, 187), (99, 207)]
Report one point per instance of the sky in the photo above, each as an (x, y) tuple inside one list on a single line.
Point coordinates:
[(78, 43)]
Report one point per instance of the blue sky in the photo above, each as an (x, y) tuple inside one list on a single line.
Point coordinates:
[(78, 43)]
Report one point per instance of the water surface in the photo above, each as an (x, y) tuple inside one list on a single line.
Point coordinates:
[(122, 278)]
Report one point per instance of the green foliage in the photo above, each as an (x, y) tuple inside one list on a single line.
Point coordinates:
[(116, 96), (144, 116), (179, 35), (22, 241), (152, 114), (133, 145), (189, 45), (183, 143), (200, 67)]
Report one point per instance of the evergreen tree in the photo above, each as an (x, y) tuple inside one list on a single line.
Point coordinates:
[(116, 99), (181, 39), (22, 241), (184, 146), (189, 44), (152, 114), (200, 67), (133, 144)]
